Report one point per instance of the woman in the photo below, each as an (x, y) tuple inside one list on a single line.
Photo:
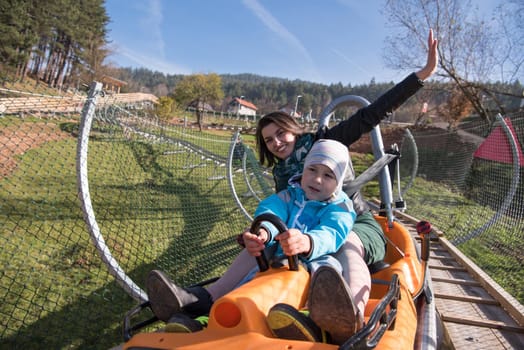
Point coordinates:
[(283, 144)]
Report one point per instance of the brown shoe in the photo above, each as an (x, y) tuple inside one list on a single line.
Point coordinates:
[(331, 305), (167, 299)]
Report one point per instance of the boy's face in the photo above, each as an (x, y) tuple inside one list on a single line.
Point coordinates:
[(318, 182), (278, 141)]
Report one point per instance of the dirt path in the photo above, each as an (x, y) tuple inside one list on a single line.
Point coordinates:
[(16, 140)]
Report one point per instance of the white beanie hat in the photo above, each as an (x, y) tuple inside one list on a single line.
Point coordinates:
[(332, 154)]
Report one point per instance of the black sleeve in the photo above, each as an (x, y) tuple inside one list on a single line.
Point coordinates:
[(351, 129)]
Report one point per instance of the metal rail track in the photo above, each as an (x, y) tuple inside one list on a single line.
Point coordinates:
[(476, 312)]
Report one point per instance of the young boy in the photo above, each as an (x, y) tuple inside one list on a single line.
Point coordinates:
[(318, 213)]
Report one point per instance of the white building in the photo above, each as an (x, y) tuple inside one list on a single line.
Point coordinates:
[(241, 107)]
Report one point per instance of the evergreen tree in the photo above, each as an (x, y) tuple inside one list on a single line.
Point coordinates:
[(52, 40)]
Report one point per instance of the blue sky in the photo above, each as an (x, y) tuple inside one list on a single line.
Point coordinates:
[(324, 41)]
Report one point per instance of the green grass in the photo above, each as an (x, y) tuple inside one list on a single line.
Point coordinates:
[(57, 293), (55, 280), (498, 250)]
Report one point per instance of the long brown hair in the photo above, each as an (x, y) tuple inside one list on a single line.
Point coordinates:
[(283, 121)]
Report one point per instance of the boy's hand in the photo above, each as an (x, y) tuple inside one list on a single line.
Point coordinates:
[(294, 242)]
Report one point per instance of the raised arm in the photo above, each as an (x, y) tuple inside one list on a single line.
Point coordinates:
[(351, 129), (432, 62)]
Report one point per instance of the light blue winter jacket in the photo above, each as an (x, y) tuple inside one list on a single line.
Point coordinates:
[(327, 223)]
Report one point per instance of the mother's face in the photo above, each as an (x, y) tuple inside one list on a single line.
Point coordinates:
[(278, 141)]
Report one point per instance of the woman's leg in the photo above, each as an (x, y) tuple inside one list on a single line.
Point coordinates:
[(355, 270), (239, 268)]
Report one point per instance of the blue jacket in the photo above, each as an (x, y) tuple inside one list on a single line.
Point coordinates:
[(327, 223)]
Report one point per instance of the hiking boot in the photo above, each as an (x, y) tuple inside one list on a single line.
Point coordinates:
[(167, 299), (181, 323), (331, 305), (286, 322)]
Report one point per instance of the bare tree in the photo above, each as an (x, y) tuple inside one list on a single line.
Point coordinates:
[(472, 51), (510, 39)]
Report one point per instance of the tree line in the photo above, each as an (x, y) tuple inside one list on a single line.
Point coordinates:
[(267, 93)]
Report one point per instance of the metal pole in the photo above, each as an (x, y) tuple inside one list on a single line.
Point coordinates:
[(296, 106)]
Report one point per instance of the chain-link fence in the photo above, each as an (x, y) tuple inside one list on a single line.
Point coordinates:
[(88, 207), (470, 184), (159, 198)]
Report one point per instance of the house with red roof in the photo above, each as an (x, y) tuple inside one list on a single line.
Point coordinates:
[(241, 107)]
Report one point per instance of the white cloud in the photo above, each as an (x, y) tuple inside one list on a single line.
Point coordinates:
[(149, 51), (280, 30), (151, 62), (151, 23), (350, 61)]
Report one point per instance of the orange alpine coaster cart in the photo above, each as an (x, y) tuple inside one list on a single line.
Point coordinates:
[(399, 315)]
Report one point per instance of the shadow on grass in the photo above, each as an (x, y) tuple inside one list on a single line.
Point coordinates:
[(93, 318), (95, 321)]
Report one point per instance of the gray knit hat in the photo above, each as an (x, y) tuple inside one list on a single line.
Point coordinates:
[(332, 154)]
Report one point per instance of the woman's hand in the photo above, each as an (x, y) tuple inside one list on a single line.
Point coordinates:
[(294, 242), (432, 62), (255, 243)]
